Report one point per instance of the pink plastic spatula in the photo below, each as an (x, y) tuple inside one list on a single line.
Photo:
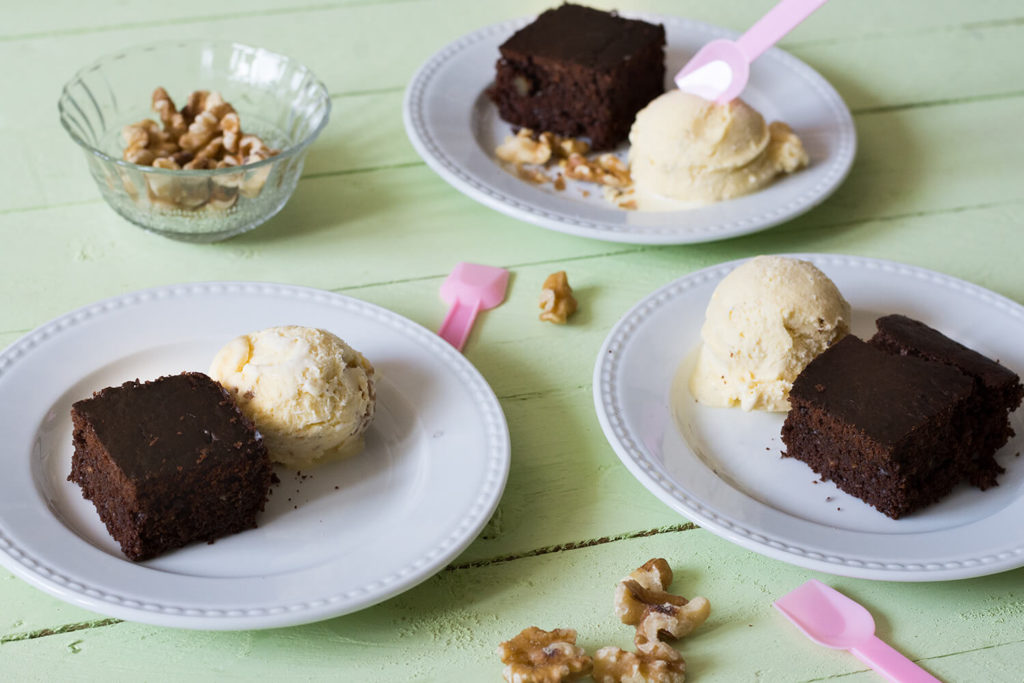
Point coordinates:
[(469, 289), (829, 618), (720, 69)]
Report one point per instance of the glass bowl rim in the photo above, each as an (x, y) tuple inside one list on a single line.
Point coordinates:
[(292, 150)]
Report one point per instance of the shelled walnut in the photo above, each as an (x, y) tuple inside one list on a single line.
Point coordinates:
[(641, 600), (538, 656), (205, 134), (613, 665), (556, 299), (524, 148), (530, 154), (607, 170)]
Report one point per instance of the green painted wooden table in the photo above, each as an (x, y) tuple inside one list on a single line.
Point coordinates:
[(937, 93)]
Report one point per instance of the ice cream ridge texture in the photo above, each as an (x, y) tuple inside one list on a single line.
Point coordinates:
[(686, 148), (309, 393), (766, 320)]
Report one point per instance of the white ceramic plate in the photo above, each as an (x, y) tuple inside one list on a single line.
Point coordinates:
[(455, 128), (335, 540), (721, 467)]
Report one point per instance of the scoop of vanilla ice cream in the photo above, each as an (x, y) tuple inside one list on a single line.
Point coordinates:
[(766, 321), (687, 148), (308, 393)]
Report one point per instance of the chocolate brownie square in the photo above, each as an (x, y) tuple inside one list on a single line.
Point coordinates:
[(168, 462), (895, 431), (578, 71), (998, 389)]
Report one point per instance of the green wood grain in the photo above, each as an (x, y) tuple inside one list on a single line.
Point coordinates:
[(884, 69), (871, 17), (907, 167), (448, 627)]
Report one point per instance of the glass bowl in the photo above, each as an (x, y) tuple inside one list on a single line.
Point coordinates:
[(276, 98)]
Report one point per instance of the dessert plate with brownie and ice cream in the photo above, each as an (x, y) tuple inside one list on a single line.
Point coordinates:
[(571, 121), (181, 456), (846, 414)]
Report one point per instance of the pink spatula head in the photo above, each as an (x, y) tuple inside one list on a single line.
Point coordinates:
[(720, 69), (829, 618), (469, 289)]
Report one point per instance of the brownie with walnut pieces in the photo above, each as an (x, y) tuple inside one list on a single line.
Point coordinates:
[(578, 71), (168, 462)]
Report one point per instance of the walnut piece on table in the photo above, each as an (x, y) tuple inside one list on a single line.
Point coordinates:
[(613, 665), (538, 656), (556, 299), (641, 600)]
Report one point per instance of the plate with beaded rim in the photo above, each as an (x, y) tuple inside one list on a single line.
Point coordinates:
[(455, 128), (723, 468), (330, 541)]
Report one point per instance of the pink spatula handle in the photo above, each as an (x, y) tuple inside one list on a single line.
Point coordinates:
[(458, 322), (895, 667), (779, 21)]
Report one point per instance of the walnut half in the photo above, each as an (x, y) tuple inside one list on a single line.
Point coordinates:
[(612, 665), (556, 299), (538, 656), (641, 600)]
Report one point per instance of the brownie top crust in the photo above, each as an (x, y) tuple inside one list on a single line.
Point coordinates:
[(885, 396), (912, 336), (155, 428), (582, 35)]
